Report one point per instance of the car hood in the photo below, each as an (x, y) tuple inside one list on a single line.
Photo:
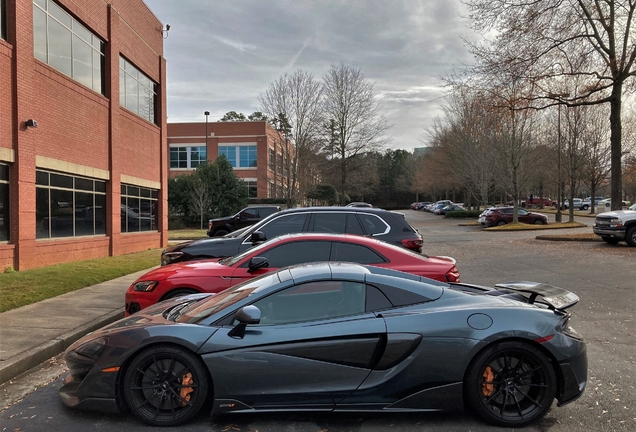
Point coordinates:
[(199, 268), (616, 213)]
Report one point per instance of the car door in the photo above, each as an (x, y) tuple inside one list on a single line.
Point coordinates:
[(524, 216), (314, 345), (285, 224), (297, 252)]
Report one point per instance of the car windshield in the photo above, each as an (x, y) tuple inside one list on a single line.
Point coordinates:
[(225, 299)]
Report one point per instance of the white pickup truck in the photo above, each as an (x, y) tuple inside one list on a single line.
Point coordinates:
[(615, 226)]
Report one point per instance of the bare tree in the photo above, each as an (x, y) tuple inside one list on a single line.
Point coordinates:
[(358, 127), (597, 156), (200, 198), (297, 99), (556, 40)]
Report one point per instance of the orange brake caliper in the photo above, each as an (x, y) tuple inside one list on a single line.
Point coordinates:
[(185, 391), (489, 376)]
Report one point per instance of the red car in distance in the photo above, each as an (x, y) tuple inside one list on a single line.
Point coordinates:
[(212, 276)]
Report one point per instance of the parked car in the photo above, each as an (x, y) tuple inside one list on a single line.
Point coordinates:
[(577, 203), (588, 201), (246, 217), (607, 203), (385, 225), (537, 202), (633, 207), (451, 207), (504, 215), (421, 205), (213, 276), (616, 226), (336, 337), (358, 204)]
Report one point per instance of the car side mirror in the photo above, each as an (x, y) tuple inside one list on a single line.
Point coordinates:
[(245, 315), (256, 263), (258, 237)]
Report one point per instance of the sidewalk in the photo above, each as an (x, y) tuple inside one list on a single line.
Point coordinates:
[(32, 334)]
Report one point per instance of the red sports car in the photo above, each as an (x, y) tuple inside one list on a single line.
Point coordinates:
[(212, 276)]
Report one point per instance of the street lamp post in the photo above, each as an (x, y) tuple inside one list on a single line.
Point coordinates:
[(207, 113)]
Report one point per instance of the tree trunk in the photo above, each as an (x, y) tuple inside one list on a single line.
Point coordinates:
[(616, 145)]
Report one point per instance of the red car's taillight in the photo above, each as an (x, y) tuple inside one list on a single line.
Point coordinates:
[(413, 244), (453, 275)]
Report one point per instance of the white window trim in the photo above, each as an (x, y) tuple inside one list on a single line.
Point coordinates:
[(188, 160), (238, 156)]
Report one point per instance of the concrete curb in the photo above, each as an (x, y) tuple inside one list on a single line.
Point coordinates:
[(29, 359), (570, 239)]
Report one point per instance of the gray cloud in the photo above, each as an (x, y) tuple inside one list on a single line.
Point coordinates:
[(222, 55)]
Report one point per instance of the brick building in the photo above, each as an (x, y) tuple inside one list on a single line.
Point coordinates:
[(83, 154), (255, 149)]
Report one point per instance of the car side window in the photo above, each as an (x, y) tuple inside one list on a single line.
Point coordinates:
[(330, 222), (372, 224), (287, 224), (296, 253), (353, 225), (313, 301), (248, 213), (522, 212), (354, 253), (264, 212)]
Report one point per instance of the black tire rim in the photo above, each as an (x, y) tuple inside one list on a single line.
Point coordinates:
[(514, 386), (164, 388)]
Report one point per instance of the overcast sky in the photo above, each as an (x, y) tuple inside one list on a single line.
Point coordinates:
[(223, 54)]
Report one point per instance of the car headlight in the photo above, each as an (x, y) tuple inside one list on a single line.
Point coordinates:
[(615, 223), (93, 348), (145, 286)]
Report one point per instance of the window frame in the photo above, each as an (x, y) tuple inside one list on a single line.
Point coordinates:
[(189, 148), (96, 44), (126, 69), (143, 194), (5, 182), (237, 149)]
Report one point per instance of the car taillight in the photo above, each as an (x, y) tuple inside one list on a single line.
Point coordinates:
[(413, 244), (453, 275)]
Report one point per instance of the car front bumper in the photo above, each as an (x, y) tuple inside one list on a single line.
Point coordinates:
[(94, 392), (617, 233)]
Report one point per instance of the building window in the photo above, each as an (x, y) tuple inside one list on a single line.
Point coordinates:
[(272, 190), (60, 41), (279, 164), (3, 19), (138, 209), (247, 155), (279, 192), (252, 190), (272, 159), (4, 203), (69, 206), (187, 156), (136, 91)]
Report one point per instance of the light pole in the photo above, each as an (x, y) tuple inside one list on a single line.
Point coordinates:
[(558, 217), (207, 113)]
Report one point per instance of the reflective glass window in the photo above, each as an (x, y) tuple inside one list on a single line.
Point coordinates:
[(287, 224), (65, 44), (247, 156), (330, 222), (297, 253), (230, 153), (354, 253), (138, 209), (3, 19), (137, 92), (372, 224), (68, 206), (4, 204)]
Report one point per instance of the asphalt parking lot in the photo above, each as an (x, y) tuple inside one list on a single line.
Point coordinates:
[(603, 276)]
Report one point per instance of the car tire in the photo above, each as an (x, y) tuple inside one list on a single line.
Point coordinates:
[(538, 222), (165, 385), (585, 207), (221, 232), (510, 384), (610, 240), (179, 293), (630, 236), (500, 222)]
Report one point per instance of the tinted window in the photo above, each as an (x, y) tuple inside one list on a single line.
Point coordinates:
[(313, 301), (354, 253), (248, 213), (376, 300), (297, 253), (330, 222), (264, 212), (372, 224), (522, 212), (400, 297), (284, 225), (353, 225)]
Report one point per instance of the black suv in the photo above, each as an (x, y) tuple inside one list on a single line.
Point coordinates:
[(384, 225), (246, 217)]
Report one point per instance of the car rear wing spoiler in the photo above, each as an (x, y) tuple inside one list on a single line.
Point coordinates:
[(555, 297)]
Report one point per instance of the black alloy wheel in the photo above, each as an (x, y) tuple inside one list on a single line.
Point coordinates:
[(538, 222), (165, 386), (511, 384), (501, 222)]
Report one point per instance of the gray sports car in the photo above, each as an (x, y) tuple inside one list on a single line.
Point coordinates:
[(337, 337)]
